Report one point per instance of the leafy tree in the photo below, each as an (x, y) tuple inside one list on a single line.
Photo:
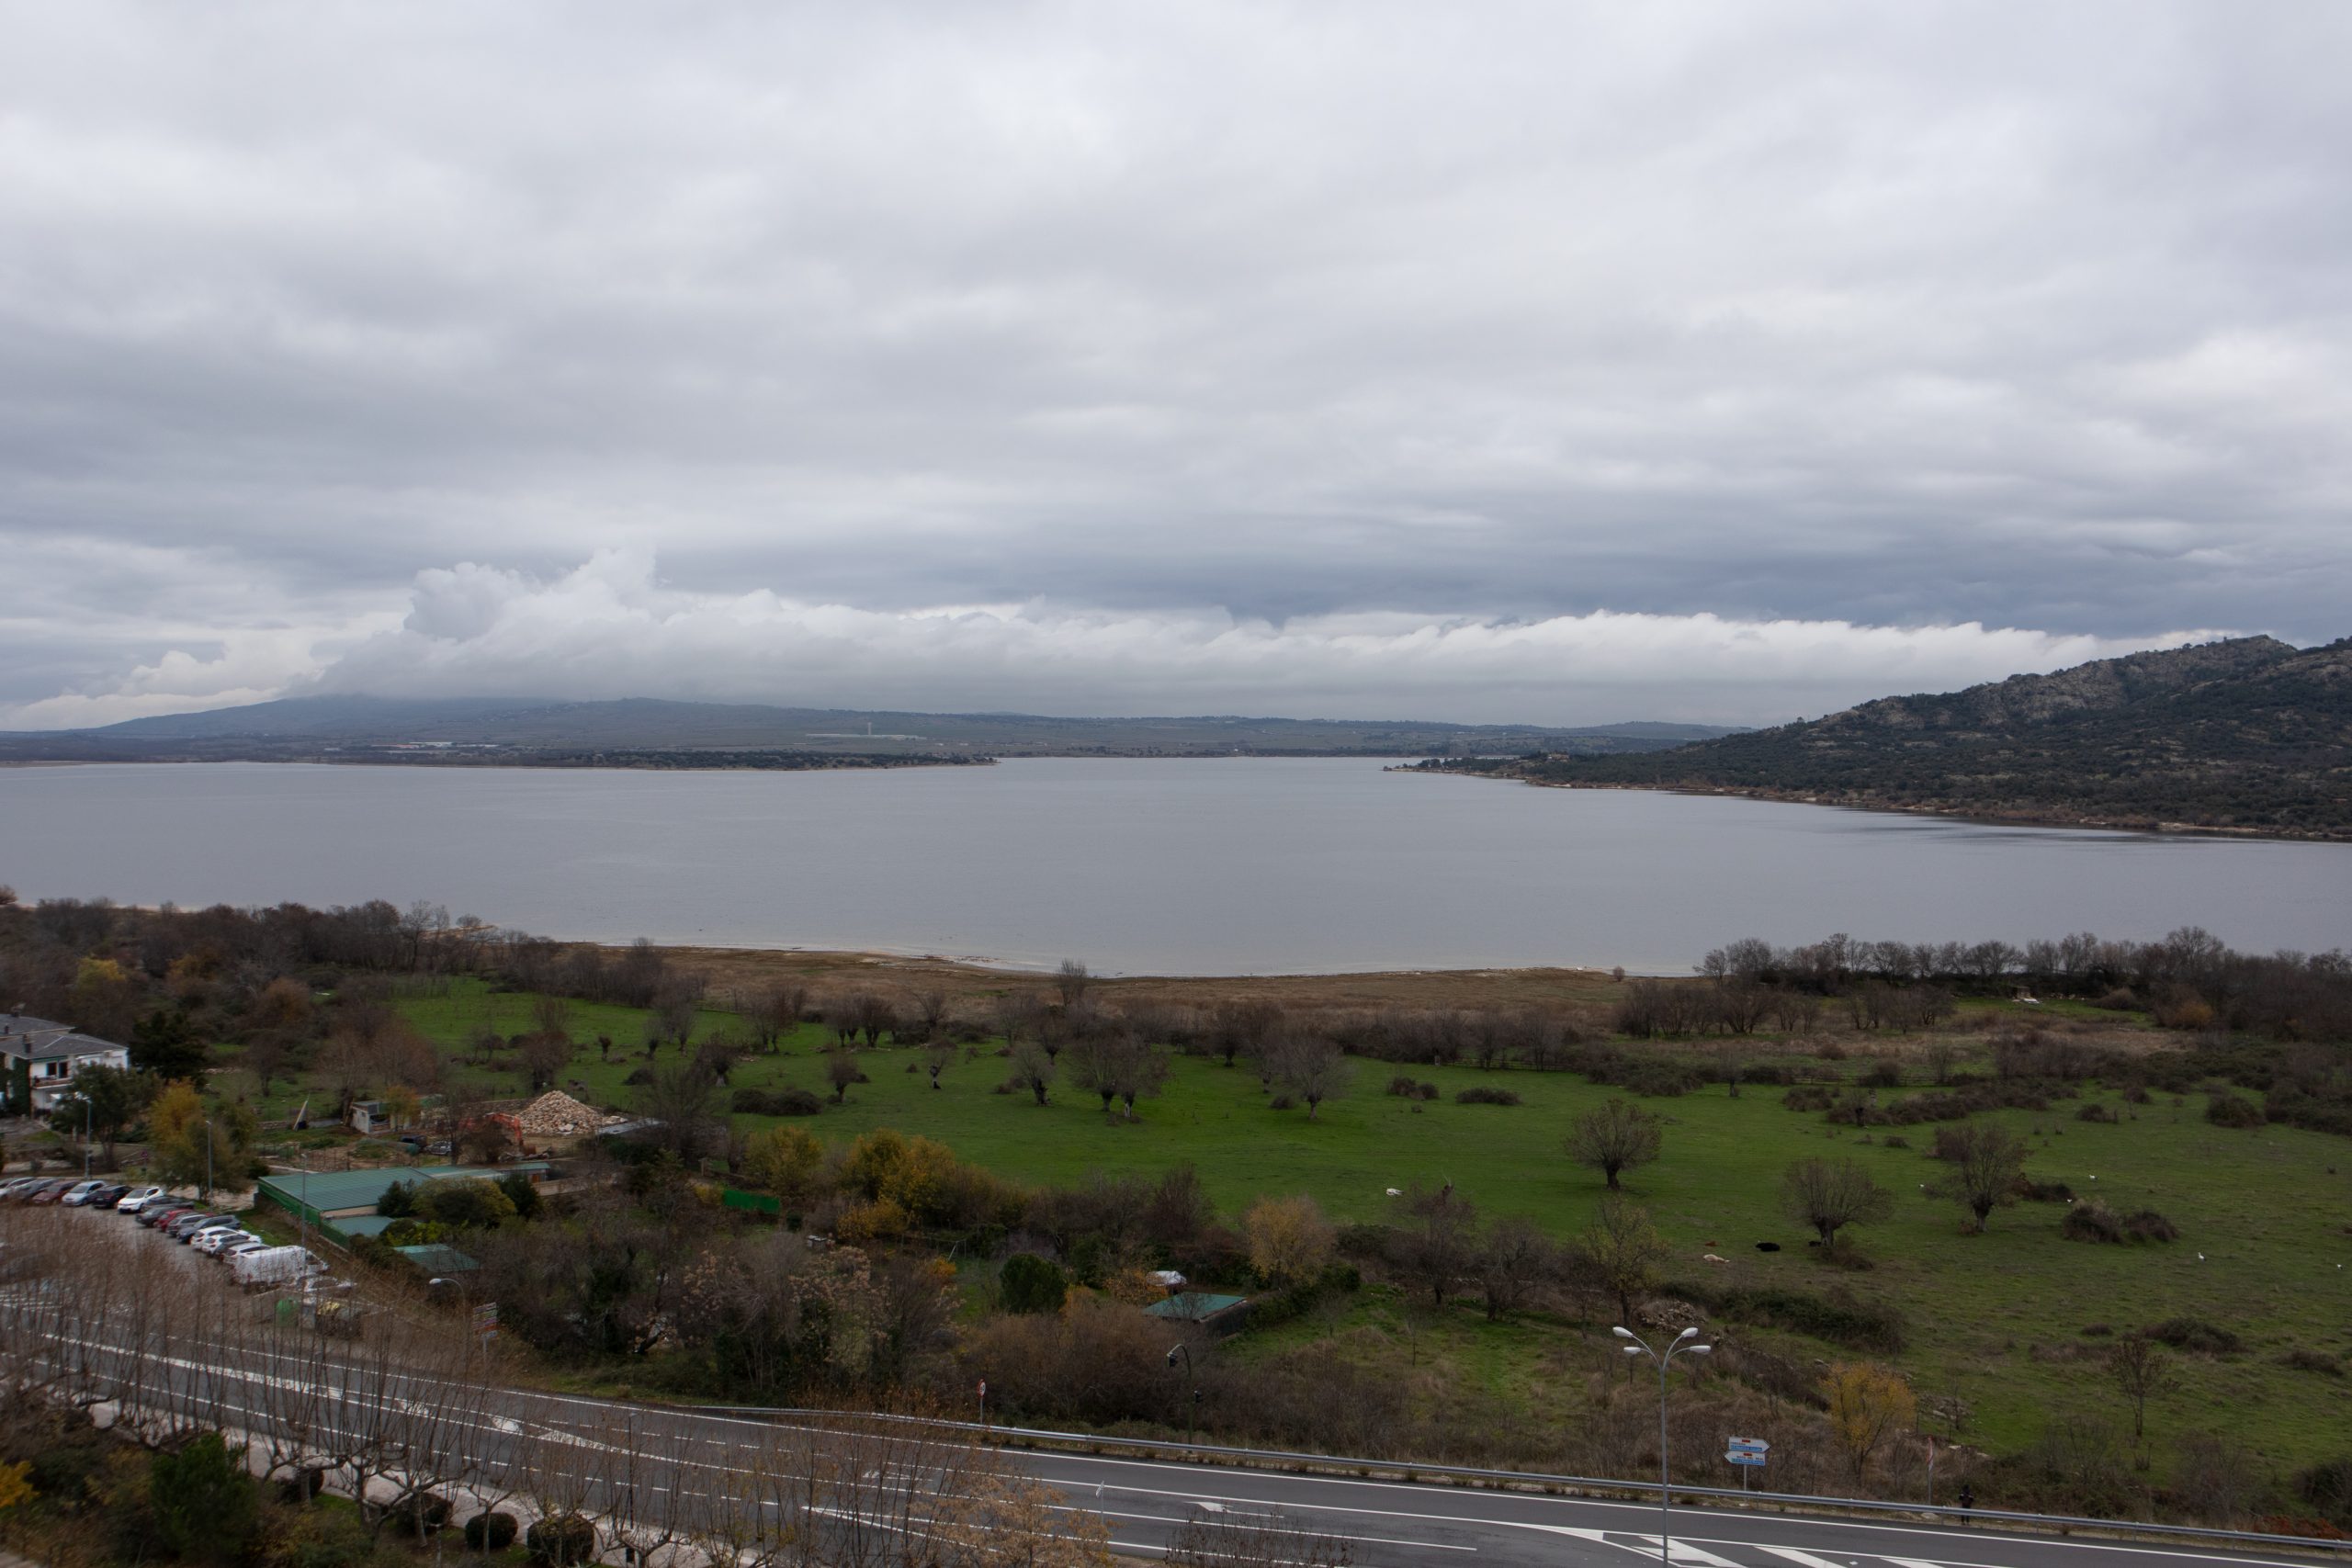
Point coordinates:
[(1830, 1194), (520, 1191), (683, 1103), (1290, 1239), (397, 1202), (784, 1160), (1868, 1404), (204, 1503), (188, 1144), (1615, 1137), (113, 1100), (1032, 1283), (165, 1043), (464, 1205)]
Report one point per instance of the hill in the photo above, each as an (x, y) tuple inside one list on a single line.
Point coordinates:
[(649, 732), (2250, 734)]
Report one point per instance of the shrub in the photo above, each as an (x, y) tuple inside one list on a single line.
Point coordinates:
[(1410, 1088), (419, 1515), (1032, 1283), (2095, 1112), (1661, 1080), (1484, 1095), (1885, 1073), (2327, 1486), (560, 1541), (204, 1502), (2318, 1361), (491, 1533), (1808, 1097), (2233, 1111), (2195, 1335), (2045, 1192), (1838, 1317), (786, 1101), (638, 1079), (1282, 1102)]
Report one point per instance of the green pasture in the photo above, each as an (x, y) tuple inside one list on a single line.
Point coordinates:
[(1995, 1320)]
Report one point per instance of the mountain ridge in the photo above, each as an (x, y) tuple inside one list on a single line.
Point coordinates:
[(527, 729), (2247, 735)]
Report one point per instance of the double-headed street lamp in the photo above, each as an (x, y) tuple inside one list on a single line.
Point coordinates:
[(1640, 1347)]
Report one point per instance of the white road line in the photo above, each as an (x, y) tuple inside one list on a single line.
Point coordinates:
[(1802, 1559)]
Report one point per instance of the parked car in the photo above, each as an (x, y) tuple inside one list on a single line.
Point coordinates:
[(274, 1266), (79, 1193), (33, 1187), (15, 1184), (212, 1241), (162, 1209), (239, 1248), (139, 1197), (187, 1224), (49, 1191), (107, 1197), (205, 1227)]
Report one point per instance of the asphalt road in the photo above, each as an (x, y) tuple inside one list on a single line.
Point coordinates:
[(673, 1460)]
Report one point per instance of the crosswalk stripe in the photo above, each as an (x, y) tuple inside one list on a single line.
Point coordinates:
[(1802, 1559), (1911, 1562), (1680, 1550)]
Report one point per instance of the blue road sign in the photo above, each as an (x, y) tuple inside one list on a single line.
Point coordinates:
[(1748, 1444), (1739, 1456)]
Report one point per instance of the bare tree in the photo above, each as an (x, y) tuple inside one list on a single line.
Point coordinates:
[(1622, 1250), (1072, 982), (776, 1012), (2141, 1369), (1311, 1068), (931, 1010), (1438, 1248), (544, 1056), (1614, 1137), (1988, 1161), (1830, 1194), (1033, 1068), (938, 1058), (1513, 1261), (841, 1070), (682, 1104), (552, 1014)]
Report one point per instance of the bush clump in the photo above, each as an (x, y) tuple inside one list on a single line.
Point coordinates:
[(2095, 1221), (1410, 1088), (1482, 1094), (2095, 1112), (1031, 1283), (2195, 1335), (1838, 1317), (560, 1541), (788, 1102), (2233, 1110), (492, 1531)]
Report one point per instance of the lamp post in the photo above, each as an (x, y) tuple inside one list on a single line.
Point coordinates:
[(1193, 1410), (1664, 1359), (88, 1114)]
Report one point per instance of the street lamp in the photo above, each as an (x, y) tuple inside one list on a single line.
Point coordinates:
[(1664, 1359), (1191, 1412)]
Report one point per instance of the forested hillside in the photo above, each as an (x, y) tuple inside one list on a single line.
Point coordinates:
[(2249, 735)]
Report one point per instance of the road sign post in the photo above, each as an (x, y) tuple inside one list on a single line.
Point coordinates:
[(1744, 1454)]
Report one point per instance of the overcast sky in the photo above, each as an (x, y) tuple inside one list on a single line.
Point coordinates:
[(1550, 363)]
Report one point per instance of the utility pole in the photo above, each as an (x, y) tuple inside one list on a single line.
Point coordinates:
[(1193, 1409), (86, 1124), (1664, 1359)]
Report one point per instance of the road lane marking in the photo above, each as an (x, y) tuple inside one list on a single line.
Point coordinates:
[(1802, 1559)]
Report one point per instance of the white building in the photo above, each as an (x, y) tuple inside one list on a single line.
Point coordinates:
[(52, 1054)]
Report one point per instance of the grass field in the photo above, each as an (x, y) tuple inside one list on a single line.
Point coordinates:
[(1995, 1320)]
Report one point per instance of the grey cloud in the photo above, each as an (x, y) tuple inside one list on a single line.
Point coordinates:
[(1825, 314)]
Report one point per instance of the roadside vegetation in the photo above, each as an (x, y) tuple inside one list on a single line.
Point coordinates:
[(2075, 1213)]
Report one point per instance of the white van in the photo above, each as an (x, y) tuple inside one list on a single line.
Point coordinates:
[(273, 1266)]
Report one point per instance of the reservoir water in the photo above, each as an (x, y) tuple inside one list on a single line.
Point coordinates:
[(1142, 866)]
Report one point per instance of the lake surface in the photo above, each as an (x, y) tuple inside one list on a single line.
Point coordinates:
[(1136, 866)]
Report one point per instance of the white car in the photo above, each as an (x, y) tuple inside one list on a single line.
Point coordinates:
[(213, 1240), (240, 1246), (79, 1193), (139, 1197)]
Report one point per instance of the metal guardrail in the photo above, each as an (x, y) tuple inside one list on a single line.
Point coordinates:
[(1411, 1469)]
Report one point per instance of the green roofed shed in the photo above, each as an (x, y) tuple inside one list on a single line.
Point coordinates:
[(331, 1195), (1196, 1306)]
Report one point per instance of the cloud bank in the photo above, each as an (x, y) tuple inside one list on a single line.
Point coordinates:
[(610, 629), (1260, 353)]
